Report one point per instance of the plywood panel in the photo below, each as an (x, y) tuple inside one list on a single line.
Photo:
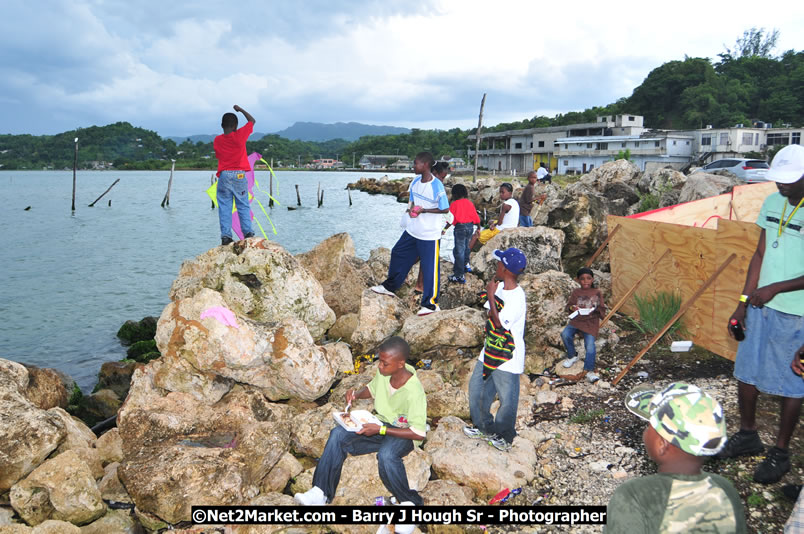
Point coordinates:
[(748, 200), (694, 213)]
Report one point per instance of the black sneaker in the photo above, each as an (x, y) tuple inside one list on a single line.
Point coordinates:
[(250, 234), (226, 241), (773, 467), (791, 491), (744, 442)]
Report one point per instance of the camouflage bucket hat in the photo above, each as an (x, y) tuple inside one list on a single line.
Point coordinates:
[(682, 414)]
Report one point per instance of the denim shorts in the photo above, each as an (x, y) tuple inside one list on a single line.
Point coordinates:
[(765, 355)]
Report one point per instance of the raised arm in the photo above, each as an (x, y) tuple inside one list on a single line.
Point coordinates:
[(245, 113)]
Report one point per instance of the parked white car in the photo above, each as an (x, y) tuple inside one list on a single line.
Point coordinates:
[(750, 170)]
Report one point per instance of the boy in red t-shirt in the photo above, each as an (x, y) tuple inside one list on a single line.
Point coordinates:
[(464, 218), (230, 149)]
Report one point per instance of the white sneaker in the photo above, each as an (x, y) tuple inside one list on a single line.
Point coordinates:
[(405, 529), (313, 497), (592, 377), (427, 311), (382, 291), (569, 362)]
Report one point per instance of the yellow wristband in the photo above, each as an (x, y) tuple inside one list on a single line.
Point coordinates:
[(383, 430), (743, 298)]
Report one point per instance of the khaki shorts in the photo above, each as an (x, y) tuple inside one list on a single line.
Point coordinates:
[(486, 235)]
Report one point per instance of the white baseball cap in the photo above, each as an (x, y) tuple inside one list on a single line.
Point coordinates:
[(788, 165)]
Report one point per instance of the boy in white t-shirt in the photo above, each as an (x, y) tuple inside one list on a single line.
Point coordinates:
[(420, 240), (502, 359), (508, 218)]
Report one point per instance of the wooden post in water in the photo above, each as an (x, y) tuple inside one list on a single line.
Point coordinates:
[(271, 190), (211, 183), (100, 197), (349, 191), (318, 195), (477, 135), (298, 198), (75, 165), (321, 199), (166, 200)]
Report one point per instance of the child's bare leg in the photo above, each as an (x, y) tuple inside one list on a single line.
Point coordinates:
[(473, 241), (419, 282)]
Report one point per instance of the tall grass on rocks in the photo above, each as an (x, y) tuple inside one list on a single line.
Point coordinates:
[(655, 311)]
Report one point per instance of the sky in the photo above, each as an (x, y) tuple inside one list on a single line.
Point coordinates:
[(175, 67)]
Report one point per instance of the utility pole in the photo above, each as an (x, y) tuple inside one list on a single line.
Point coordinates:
[(75, 164), (479, 127)]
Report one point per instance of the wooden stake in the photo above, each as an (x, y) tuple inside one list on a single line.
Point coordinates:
[(349, 192), (211, 182), (318, 194), (271, 188), (684, 307), (321, 200), (633, 288), (602, 246), (100, 197), (298, 198), (75, 165), (477, 140), (166, 200)]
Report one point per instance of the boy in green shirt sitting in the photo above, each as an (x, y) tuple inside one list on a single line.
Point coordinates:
[(401, 406), (686, 426)]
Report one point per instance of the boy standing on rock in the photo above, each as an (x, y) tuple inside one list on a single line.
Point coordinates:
[(502, 359), (685, 427), (230, 149), (401, 405)]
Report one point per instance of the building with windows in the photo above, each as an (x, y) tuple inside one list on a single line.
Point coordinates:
[(579, 155), (379, 161)]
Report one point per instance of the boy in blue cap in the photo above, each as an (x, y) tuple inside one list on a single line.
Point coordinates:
[(502, 359)]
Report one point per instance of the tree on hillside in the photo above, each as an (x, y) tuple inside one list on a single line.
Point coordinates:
[(753, 43)]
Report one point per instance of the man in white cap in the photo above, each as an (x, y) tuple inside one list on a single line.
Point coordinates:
[(771, 310)]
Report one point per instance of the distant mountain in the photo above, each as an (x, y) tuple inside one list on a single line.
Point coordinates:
[(256, 136), (350, 131)]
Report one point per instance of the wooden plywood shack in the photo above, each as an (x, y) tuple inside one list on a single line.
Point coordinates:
[(700, 236)]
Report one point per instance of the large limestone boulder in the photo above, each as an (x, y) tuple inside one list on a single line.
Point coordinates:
[(542, 247), (78, 435), (310, 430), (343, 276), (114, 522), (110, 486), (474, 463), (28, 435), (179, 451), (380, 316), (449, 400), (116, 376), (547, 295), (62, 488), (110, 447), (703, 185), (611, 175), (46, 388), (277, 478), (259, 280), (661, 180), (278, 357), (459, 328), (379, 260)]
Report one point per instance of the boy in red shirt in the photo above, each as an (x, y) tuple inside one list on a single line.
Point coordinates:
[(464, 218), (230, 149)]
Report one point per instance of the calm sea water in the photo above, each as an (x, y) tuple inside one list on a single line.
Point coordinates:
[(69, 280)]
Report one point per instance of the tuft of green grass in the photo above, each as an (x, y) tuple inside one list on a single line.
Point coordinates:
[(755, 500), (655, 311), (587, 416)]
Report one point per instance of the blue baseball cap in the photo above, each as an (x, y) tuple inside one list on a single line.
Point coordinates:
[(513, 259)]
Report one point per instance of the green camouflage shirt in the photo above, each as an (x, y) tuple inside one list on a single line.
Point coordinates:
[(669, 503)]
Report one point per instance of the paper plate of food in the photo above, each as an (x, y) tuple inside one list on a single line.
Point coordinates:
[(581, 311), (355, 419)]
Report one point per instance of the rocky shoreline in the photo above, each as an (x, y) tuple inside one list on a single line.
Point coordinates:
[(257, 349)]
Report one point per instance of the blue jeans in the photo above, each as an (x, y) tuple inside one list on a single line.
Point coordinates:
[(481, 395), (462, 234), (568, 335), (230, 186), (526, 221), (390, 451)]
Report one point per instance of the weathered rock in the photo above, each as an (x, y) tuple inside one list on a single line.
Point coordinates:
[(454, 295), (15, 528), (661, 181), (78, 435), (279, 357), (110, 486), (446, 493), (179, 451), (703, 185), (272, 500), (110, 447), (611, 173), (98, 406), (28, 435), (474, 463), (344, 327), (360, 482), (448, 401), (116, 376), (310, 430), (257, 279), (133, 331), (114, 522), (277, 478), (341, 274), (46, 388), (379, 317), (459, 328), (62, 488), (51, 526), (542, 247), (378, 262), (547, 295)]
